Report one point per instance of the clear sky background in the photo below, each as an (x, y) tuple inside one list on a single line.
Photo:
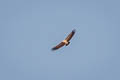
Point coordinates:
[(30, 28)]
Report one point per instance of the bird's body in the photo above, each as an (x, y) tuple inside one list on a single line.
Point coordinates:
[(65, 42)]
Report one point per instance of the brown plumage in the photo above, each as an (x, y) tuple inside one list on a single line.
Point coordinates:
[(65, 42)]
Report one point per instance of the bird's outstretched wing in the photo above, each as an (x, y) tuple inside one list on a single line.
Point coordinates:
[(58, 46), (68, 38)]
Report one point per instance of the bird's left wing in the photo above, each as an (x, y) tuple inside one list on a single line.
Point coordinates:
[(58, 46)]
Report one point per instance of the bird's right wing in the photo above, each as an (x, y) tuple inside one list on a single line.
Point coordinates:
[(58, 46), (70, 35)]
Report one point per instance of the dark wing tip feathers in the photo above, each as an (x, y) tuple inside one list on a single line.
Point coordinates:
[(54, 48), (74, 30)]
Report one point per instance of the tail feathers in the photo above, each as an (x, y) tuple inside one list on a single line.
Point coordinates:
[(68, 44)]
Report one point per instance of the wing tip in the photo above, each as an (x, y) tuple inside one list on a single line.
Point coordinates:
[(74, 30), (53, 49)]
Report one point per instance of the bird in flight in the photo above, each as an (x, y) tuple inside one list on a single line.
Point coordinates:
[(66, 41)]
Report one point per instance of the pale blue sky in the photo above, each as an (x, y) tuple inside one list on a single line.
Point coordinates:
[(30, 28)]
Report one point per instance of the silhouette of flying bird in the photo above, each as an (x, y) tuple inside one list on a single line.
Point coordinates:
[(66, 41)]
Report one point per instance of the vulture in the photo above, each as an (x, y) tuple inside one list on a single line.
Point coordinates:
[(65, 42)]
